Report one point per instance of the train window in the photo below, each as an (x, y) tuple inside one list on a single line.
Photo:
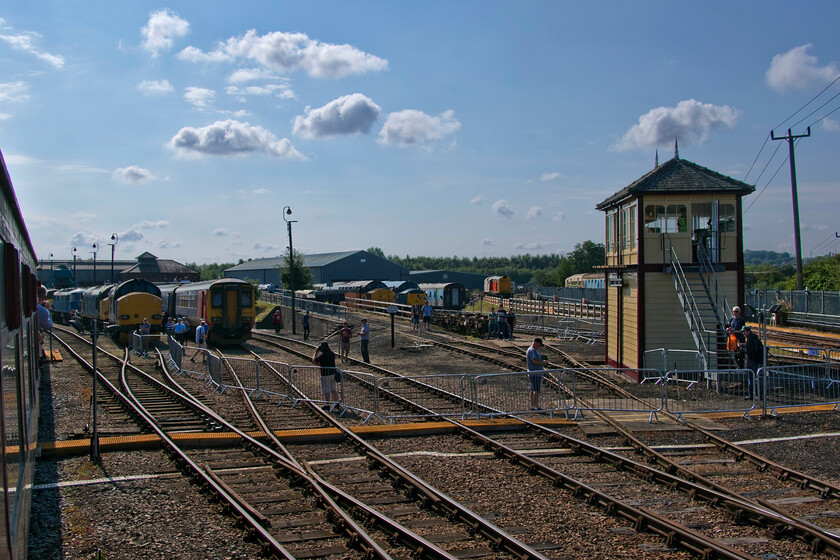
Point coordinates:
[(245, 299), (11, 402), (216, 297)]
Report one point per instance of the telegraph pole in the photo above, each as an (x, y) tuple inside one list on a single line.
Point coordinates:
[(798, 245)]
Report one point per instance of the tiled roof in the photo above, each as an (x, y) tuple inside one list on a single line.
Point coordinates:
[(166, 266), (679, 176)]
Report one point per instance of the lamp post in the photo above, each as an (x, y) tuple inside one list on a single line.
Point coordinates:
[(95, 250), (51, 270), (115, 238), (74, 267), (287, 211)]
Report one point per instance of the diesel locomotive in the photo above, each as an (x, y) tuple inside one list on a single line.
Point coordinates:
[(227, 305)]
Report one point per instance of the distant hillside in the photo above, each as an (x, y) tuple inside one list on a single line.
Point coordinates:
[(771, 258)]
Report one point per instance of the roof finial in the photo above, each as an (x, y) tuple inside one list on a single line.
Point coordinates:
[(676, 149), (656, 163)]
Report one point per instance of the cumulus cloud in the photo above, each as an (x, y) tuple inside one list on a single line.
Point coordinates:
[(133, 174), (83, 241), (831, 125), (283, 91), (147, 224), (163, 27), (477, 200), (23, 42), (416, 128), (487, 242), (131, 235), (155, 87), (200, 98), (261, 191), (550, 176), (501, 209), (230, 138), (286, 52), (689, 121), (534, 212), (796, 69), (251, 74), (265, 247), (13, 92), (349, 114), (221, 232), (169, 244)]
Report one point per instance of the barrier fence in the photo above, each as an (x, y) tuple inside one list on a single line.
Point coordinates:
[(567, 391)]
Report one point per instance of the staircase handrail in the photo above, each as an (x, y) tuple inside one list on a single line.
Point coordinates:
[(721, 307)]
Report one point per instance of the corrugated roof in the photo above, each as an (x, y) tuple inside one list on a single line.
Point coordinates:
[(679, 175), (309, 261)]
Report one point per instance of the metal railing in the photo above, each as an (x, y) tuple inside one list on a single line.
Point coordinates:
[(337, 312), (707, 391), (801, 385), (664, 359)]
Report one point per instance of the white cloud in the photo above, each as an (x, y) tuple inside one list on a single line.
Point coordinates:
[(689, 121), (5, 116), (550, 176), (559, 216), (831, 125), (530, 246), (501, 209), (487, 242), (349, 114), (83, 243), (265, 247), (13, 92), (131, 236), (230, 138), (169, 244), (416, 128), (20, 160), (221, 232), (237, 114), (287, 52), (282, 91), (155, 87), (200, 98), (477, 200), (24, 43), (162, 28), (133, 174), (147, 224), (796, 69), (261, 191), (82, 217), (534, 212), (251, 74)]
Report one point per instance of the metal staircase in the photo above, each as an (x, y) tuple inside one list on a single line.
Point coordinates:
[(705, 306)]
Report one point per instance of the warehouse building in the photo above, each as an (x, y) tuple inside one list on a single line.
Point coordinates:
[(325, 268), (470, 280)]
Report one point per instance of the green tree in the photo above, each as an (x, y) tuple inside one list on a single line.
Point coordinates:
[(586, 256), (377, 251), (295, 269), (819, 274)]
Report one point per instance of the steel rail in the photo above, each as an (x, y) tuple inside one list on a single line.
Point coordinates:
[(421, 547)]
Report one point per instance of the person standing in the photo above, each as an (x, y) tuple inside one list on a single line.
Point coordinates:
[(364, 338), (754, 351), (201, 341), (511, 322), (278, 320), (344, 335), (492, 324), (44, 322), (306, 326), (415, 317), (144, 330), (325, 358), (427, 315), (502, 315), (536, 363)]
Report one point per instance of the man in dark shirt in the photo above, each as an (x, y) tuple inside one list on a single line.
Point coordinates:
[(325, 358)]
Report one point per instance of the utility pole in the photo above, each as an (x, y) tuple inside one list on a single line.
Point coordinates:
[(797, 244)]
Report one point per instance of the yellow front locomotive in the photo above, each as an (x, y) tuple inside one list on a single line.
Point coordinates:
[(129, 303)]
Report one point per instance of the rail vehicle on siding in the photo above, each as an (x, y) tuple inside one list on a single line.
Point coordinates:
[(19, 391), (498, 286), (119, 308), (406, 292), (447, 295), (338, 292), (66, 304), (592, 280), (227, 305)]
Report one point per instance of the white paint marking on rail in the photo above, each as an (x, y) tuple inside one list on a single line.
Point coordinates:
[(112, 479), (788, 438)]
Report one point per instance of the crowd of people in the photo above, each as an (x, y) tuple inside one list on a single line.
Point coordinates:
[(500, 324)]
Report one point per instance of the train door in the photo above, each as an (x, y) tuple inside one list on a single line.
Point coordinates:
[(456, 298), (232, 312)]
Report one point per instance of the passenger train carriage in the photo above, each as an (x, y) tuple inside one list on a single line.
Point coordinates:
[(228, 306), (19, 357), (448, 295)]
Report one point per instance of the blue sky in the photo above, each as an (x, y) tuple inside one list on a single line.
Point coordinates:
[(424, 128)]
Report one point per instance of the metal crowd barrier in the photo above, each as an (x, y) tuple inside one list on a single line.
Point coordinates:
[(416, 388), (705, 391), (176, 352), (589, 395), (663, 359), (509, 393), (801, 385)]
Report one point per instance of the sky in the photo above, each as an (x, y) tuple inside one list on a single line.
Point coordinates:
[(468, 128)]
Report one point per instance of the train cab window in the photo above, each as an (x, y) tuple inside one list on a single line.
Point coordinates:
[(216, 297), (245, 298)]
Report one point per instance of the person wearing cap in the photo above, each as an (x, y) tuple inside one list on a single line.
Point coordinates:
[(364, 337), (201, 342)]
